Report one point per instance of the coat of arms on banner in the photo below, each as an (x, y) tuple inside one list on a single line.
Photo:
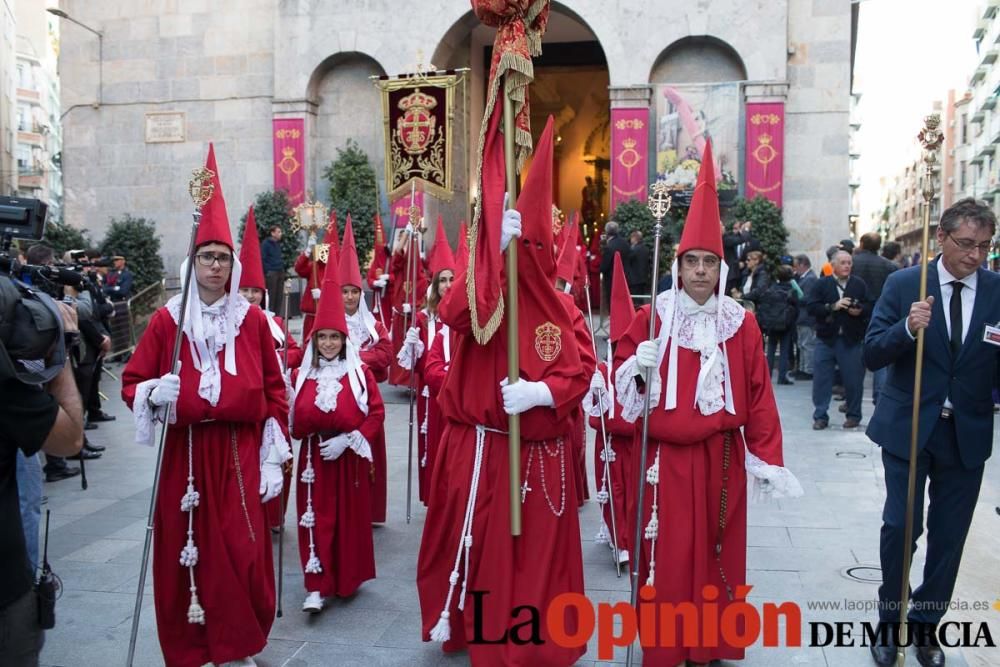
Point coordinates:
[(418, 112), (548, 341)]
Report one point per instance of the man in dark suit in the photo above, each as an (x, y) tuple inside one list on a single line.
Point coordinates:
[(734, 245), (956, 413), (616, 244), (874, 270), (841, 306), (638, 271)]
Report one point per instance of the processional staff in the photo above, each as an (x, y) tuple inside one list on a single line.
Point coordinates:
[(659, 206), (930, 137), (200, 188)]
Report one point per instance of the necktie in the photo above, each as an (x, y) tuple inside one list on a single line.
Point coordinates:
[(956, 317)]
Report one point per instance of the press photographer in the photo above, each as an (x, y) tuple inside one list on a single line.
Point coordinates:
[(40, 410)]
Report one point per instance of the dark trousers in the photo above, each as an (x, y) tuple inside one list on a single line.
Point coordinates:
[(831, 353), (92, 397), (779, 340), (275, 282), (953, 492), (21, 639)]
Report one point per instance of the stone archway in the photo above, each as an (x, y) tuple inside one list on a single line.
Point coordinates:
[(347, 105), (698, 59)]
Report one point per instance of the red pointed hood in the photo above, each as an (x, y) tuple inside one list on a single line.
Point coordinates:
[(535, 205), (622, 309), (566, 270), (214, 224), (441, 257), (330, 313), (348, 268), (462, 255), (253, 265), (703, 225)]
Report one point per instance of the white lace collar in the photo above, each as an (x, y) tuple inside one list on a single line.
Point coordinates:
[(328, 375)]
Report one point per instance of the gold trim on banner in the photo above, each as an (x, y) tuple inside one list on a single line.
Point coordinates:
[(404, 159)]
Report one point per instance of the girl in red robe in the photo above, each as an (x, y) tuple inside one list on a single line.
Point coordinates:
[(403, 298), (213, 579), (337, 413)]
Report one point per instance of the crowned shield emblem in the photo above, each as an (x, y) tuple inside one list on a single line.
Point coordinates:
[(548, 341), (417, 125)]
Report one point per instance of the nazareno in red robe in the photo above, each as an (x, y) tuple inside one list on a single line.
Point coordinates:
[(376, 355), (437, 361), (381, 296), (400, 286), (546, 560), (234, 572), (691, 469), (581, 334), (338, 495), (623, 469)]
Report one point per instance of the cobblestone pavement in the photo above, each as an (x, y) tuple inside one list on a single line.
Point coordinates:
[(801, 550)]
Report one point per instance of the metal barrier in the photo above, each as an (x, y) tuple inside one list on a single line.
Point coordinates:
[(132, 317)]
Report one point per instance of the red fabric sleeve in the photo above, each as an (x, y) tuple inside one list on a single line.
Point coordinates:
[(274, 382), (376, 410), (434, 366), (763, 427), (295, 352), (568, 391), (303, 266)]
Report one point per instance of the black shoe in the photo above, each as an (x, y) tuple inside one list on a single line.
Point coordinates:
[(820, 424), (86, 455), (930, 656), (101, 417), (89, 426), (884, 656), (91, 447), (65, 473)]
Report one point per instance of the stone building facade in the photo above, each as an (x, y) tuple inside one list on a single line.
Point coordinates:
[(231, 67)]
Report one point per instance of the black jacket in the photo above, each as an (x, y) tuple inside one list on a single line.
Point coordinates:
[(830, 323), (806, 283), (638, 270), (873, 270), (758, 284), (616, 244)]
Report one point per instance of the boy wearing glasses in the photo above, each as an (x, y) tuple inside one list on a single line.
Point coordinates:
[(213, 579), (712, 421), (956, 414)]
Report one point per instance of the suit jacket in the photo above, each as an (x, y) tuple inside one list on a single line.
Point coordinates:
[(830, 323), (616, 245), (806, 283), (873, 270), (967, 381)]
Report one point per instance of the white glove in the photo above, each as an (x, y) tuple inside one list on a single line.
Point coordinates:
[(271, 481), (407, 308), (412, 336), (646, 353), (597, 382), (381, 282), (523, 395), (315, 293), (166, 391), (331, 449), (511, 226)]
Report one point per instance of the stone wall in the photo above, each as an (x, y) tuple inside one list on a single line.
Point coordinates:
[(234, 66)]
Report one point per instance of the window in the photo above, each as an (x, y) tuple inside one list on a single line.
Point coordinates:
[(23, 159), (24, 118), (963, 169), (965, 128)]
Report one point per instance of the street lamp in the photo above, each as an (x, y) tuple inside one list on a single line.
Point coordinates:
[(100, 49)]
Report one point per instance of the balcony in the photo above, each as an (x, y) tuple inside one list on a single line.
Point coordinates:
[(990, 56), (982, 26), (27, 95), (31, 138), (990, 9), (30, 181), (979, 75), (990, 102)]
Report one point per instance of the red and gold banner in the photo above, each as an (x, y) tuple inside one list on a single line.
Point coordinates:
[(417, 113), (629, 154), (289, 158), (765, 150), (401, 209)]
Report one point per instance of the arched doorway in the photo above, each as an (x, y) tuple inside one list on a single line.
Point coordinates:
[(344, 97), (571, 84), (701, 59)]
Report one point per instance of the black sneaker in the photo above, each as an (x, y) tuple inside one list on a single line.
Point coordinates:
[(101, 416)]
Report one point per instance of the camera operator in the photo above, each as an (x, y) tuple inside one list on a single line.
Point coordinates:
[(96, 267), (31, 418)]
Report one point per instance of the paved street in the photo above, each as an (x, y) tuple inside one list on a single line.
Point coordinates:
[(799, 550)]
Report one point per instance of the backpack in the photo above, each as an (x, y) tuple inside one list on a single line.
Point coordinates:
[(774, 312)]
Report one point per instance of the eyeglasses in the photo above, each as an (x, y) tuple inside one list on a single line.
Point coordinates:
[(710, 262), (209, 258), (968, 245)]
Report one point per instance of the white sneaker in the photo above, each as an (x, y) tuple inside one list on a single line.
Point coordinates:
[(245, 662), (313, 603), (623, 556)]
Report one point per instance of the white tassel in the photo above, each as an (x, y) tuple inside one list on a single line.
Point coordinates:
[(308, 519), (611, 456), (653, 474), (653, 528), (308, 475), (602, 536), (603, 496), (195, 612), (313, 566), (190, 499), (441, 632)]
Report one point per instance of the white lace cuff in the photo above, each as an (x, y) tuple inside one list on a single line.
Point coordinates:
[(409, 354), (596, 402), (359, 444), (629, 397), (771, 482), (273, 446), (145, 415)]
